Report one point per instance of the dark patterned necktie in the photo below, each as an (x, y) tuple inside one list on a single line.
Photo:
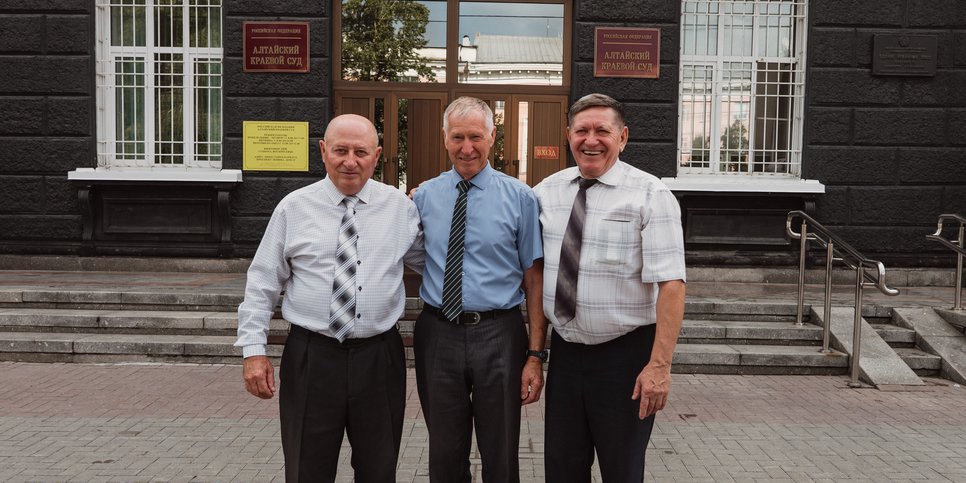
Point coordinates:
[(453, 275), (565, 300), (342, 308)]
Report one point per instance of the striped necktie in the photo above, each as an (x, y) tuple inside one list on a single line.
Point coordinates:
[(453, 275), (565, 299), (342, 308)]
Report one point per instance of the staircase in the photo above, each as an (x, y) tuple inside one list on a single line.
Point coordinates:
[(197, 327), (903, 342)]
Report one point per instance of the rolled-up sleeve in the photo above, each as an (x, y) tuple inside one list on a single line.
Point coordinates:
[(662, 239), (267, 276)]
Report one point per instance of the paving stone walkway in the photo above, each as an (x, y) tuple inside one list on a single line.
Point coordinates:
[(152, 422)]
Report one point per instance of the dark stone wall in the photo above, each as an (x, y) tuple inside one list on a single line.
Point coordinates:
[(46, 126), (263, 96), (650, 104), (891, 150)]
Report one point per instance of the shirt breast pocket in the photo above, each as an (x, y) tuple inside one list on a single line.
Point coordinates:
[(614, 240)]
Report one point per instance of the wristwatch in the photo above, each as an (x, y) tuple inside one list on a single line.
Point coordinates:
[(542, 355)]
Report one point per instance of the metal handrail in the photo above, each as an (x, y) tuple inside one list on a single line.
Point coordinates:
[(959, 248), (837, 250)]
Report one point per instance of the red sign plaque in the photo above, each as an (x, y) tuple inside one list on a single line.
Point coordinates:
[(546, 152), (627, 52), (276, 46)]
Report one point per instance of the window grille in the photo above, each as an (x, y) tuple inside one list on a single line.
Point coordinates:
[(742, 87), (159, 74)]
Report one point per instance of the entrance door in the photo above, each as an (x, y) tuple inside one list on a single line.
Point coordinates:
[(530, 142), (410, 131)]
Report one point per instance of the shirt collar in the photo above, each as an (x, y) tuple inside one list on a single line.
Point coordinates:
[(612, 177), (336, 196), (481, 180)]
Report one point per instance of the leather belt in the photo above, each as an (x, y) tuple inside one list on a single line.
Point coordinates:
[(470, 318)]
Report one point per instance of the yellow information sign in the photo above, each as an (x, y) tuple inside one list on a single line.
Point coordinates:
[(275, 146)]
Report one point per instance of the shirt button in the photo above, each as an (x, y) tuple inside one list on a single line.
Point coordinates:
[(359, 262), (358, 316), (360, 289)]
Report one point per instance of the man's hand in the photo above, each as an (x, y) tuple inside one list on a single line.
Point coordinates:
[(531, 382), (259, 376), (652, 387)]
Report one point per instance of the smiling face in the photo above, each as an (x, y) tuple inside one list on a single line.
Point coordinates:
[(350, 151), (468, 142), (596, 137)]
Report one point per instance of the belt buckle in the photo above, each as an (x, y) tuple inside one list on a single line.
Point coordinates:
[(473, 316)]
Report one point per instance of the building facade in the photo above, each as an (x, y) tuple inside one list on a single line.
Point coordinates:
[(123, 126)]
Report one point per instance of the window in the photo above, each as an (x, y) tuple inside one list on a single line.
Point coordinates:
[(159, 77), (453, 41), (742, 87)]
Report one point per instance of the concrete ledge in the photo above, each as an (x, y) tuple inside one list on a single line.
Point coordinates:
[(153, 320), (13, 317), (18, 342), (756, 355), (72, 296), (705, 354)]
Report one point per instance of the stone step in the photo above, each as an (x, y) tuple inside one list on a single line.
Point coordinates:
[(921, 362), (749, 332), (105, 347), (126, 321), (895, 336), (189, 301), (757, 359)]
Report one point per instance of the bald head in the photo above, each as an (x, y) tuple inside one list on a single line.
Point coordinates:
[(353, 122), (350, 151)]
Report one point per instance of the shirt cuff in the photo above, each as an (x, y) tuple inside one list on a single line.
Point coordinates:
[(253, 350)]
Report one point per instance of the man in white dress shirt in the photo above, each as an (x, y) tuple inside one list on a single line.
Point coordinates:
[(336, 247), (614, 292)]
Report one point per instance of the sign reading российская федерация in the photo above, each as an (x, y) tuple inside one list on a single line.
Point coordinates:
[(627, 52), (275, 46)]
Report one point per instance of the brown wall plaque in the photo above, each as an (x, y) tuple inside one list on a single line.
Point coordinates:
[(627, 52), (276, 46), (900, 54)]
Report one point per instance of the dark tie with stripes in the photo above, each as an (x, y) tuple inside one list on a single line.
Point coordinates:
[(453, 275), (565, 300), (342, 308)]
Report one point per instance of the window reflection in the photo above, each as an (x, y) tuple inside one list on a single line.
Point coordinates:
[(510, 43), (393, 41)]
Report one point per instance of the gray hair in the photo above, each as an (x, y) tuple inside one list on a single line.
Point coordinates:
[(596, 100), (464, 106)]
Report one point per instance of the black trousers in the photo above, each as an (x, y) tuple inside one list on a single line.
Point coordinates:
[(328, 389), (467, 374), (589, 408)]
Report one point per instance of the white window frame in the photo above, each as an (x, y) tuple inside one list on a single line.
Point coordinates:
[(713, 175), (148, 165)]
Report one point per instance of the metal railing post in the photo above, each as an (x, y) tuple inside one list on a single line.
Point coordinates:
[(801, 274), (955, 245), (830, 254), (857, 326), (959, 272)]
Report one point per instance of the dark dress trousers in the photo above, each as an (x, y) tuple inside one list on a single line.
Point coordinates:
[(589, 405), (327, 389), (466, 371)]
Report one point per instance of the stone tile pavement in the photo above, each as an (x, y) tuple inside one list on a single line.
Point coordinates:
[(154, 422)]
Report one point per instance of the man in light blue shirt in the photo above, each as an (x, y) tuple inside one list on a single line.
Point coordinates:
[(473, 354)]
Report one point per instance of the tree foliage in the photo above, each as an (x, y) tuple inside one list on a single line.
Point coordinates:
[(380, 39)]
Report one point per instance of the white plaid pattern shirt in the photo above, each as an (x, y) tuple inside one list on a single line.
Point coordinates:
[(632, 240), (297, 253)]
